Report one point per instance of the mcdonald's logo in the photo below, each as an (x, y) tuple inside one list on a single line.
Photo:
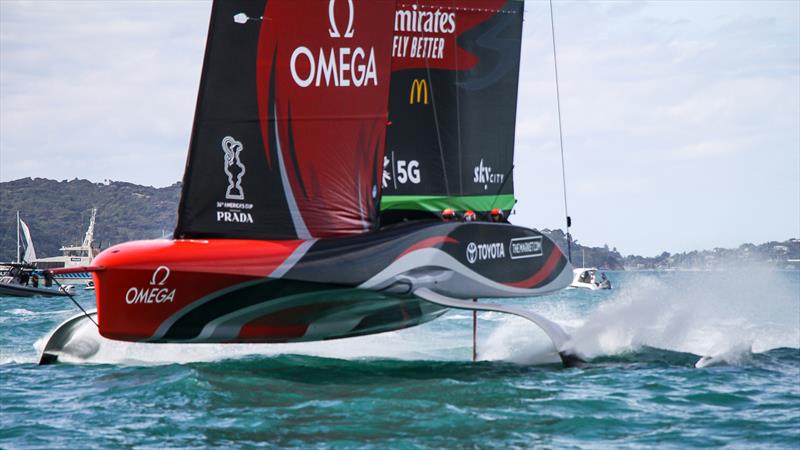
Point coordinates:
[(421, 89)]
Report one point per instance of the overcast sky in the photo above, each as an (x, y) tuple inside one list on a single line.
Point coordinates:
[(681, 119)]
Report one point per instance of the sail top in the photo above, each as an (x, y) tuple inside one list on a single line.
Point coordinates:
[(290, 120)]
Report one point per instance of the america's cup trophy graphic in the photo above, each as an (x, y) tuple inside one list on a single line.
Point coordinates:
[(232, 148)]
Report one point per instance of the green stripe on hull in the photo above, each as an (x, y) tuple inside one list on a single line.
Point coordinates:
[(436, 203)]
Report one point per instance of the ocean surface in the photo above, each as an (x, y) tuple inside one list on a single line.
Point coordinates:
[(418, 388)]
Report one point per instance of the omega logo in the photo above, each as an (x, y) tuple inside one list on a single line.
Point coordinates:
[(334, 29), (159, 270), (155, 293), (341, 66)]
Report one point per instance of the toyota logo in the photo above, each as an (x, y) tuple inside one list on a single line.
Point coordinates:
[(472, 252)]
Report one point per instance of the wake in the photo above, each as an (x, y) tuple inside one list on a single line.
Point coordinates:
[(723, 317), (86, 346)]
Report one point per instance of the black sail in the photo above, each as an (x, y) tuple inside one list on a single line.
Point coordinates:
[(226, 106)]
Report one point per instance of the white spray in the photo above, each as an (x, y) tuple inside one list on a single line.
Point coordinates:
[(721, 315)]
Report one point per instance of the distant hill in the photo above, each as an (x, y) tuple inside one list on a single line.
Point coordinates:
[(586, 256), (779, 255), (58, 212)]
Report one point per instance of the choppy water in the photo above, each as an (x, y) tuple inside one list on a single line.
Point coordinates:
[(417, 388)]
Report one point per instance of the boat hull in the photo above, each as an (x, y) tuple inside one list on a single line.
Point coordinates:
[(590, 286), (17, 290), (77, 279), (289, 291)]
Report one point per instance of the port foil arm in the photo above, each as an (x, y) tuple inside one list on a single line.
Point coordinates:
[(559, 337)]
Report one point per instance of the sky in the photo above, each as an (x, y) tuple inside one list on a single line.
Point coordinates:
[(681, 119)]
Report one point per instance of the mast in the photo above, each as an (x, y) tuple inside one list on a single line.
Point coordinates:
[(18, 236)]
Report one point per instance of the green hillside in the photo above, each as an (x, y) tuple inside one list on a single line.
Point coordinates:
[(58, 212)]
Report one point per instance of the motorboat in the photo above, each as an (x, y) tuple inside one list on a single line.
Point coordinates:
[(590, 278), (23, 280)]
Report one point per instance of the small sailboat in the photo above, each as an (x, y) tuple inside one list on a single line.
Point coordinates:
[(20, 278), (328, 138)]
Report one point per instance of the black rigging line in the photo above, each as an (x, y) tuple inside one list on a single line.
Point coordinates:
[(561, 135), (436, 121), (458, 111), (61, 288)]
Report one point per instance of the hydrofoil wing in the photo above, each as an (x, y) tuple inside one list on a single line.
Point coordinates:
[(559, 337)]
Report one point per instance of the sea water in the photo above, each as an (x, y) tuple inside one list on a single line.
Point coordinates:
[(418, 388)]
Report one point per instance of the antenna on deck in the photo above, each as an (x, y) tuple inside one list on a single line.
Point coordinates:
[(561, 136)]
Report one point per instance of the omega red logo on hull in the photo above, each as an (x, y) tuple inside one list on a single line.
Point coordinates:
[(156, 292)]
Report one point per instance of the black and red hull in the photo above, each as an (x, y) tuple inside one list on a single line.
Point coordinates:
[(302, 290)]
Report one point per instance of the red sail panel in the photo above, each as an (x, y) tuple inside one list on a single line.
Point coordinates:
[(426, 32), (322, 74)]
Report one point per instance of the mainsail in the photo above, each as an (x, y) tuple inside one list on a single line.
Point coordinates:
[(28, 252), (452, 107), (290, 122)]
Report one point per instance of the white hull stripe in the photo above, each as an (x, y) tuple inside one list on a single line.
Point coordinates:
[(297, 218), (433, 257), (167, 324), (286, 265), (228, 327), (279, 271)]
